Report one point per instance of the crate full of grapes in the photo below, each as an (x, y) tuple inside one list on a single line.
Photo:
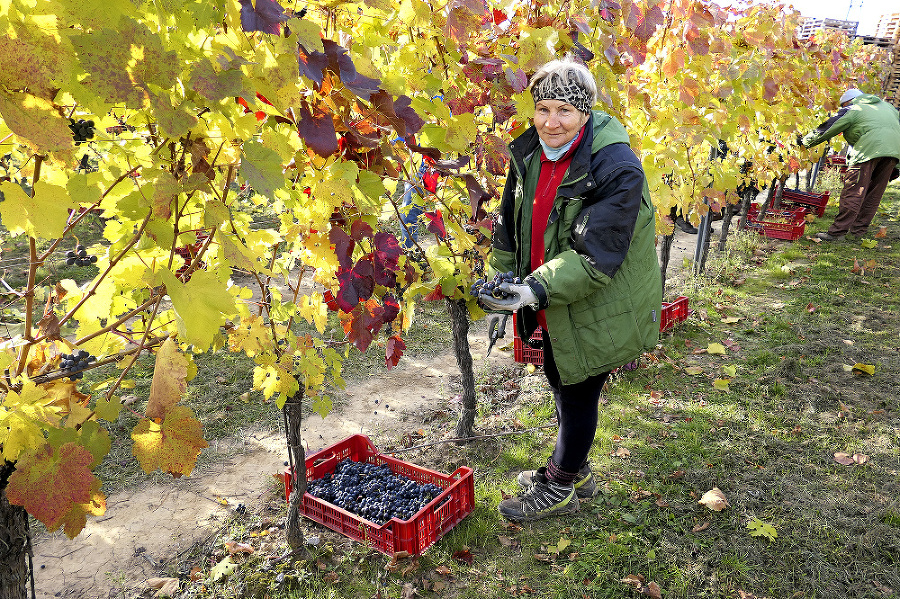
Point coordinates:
[(381, 501)]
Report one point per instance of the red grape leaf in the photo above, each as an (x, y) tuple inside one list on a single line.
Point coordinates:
[(341, 63), (447, 166), (477, 196), (317, 130), (430, 180), (393, 351), (517, 79), (312, 65), (357, 332), (169, 380), (360, 230), (267, 16), (436, 223), (57, 487), (437, 294), (429, 152), (648, 23), (387, 250), (493, 153), (373, 316), (356, 285), (460, 23), (410, 117), (171, 446), (343, 247), (391, 307)]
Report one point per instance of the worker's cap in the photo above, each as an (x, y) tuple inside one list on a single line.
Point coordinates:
[(849, 95)]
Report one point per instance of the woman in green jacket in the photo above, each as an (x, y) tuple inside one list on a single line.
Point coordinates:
[(576, 224)]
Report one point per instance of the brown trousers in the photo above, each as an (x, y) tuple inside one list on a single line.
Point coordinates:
[(864, 184)]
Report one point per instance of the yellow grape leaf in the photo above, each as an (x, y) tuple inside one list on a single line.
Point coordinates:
[(57, 487), (714, 499), (250, 336), (867, 368), (274, 377), (758, 528), (730, 370), (171, 446), (36, 120), (23, 416), (223, 569), (722, 384), (693, 370), (43, 216), (169, 380), (715, 348), (731, 319), (201, 306), (314, 311), (868, 243), (561, 545), (308, 33)]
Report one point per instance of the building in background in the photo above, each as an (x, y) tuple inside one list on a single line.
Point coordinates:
[(809, 25), (888, 27)]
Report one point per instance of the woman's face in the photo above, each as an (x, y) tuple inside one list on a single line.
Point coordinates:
[(557, 122)]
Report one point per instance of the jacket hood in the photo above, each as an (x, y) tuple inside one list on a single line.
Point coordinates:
[(866, 99)]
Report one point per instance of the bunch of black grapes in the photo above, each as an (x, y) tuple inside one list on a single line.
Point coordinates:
[(79, 257), (492, 287), (373, 492), (82, 130), (76, 362)]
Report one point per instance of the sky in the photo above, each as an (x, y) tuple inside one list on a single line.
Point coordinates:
[(866, 12)]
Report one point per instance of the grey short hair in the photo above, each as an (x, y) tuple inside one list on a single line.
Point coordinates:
[(565, 80)]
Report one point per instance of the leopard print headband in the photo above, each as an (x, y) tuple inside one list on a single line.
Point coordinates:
[(553, 88)]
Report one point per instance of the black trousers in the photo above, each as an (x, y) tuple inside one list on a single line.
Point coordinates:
[(576, 411)]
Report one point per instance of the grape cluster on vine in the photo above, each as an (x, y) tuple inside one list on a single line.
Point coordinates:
[(373, 492), (492, 287), (82, 130), (75, 363), (79, 257)]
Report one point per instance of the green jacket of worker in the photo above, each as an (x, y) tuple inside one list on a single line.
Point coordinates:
[(600, 284), (870, 125)]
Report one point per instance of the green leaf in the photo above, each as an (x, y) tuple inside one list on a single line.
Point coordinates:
[(108, 409), (262, 168), (730, 370), (43, 216), (201, 305), (758, 528), (722, 384), (869, 243), (35, 120), (308, 33), (715, 348)]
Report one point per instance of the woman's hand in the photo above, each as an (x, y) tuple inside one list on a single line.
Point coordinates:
[(515, 295)]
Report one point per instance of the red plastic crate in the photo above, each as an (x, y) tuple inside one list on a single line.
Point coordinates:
[(790, 230), (414, 535), (673, 313), (837, 161), (815, 202), (524, 353)]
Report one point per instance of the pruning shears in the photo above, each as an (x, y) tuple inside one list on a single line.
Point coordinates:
[(496, 331)]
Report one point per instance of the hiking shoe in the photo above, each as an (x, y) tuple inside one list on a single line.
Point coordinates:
[(585, 483), (685, 226), (826, 237), (543, 499)]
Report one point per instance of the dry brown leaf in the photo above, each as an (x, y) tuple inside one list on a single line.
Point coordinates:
[(653, 590), (701, 526), (621, 452), (409, 591), (505, 541), (235, 547), (163, 586), (443, 570), (635, 580), (881, 233), (844, 459), (437, 586), (746, 595), (714, 499)]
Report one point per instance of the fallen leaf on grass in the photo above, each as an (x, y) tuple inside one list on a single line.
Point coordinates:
[(881, 233), (443, 570), (868, 243), (700, 526), (464, 555), (811, 308), (714, 499), (235, 547), (621, 452), (651, 589), (506, 541), (409, 591), (163, 586), (715, 348), (693, 370), (722, 385), (845, 459), (848, 341), (758, 528), (745, 594), (867, 368), (731, 319), (730, 370), (223, 569)]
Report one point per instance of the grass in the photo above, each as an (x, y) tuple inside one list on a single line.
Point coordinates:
[(768, 442)]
